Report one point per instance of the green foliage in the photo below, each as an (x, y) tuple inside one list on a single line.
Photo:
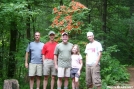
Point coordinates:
[(120, 24), (111, 70)]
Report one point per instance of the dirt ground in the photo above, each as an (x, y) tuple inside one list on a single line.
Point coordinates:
[(131, 71), (130, 84)]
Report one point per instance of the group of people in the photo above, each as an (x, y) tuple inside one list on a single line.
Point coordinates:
[(62, 60)]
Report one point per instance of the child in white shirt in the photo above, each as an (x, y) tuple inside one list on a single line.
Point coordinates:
[(76, 66)]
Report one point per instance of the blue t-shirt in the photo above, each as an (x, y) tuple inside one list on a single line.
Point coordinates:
[(35, 49)]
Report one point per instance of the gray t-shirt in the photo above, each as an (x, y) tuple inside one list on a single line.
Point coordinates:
[(63, 51), (35, 50)]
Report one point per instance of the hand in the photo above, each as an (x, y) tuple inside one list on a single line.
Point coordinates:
[(56, 67), (78, 72), (96, 64), (26, 65)]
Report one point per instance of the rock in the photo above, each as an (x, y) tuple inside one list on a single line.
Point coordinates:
[(11, 84)]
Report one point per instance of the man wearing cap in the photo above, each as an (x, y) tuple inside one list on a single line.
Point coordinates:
[(93, 54), (62, 55), (48, 60)]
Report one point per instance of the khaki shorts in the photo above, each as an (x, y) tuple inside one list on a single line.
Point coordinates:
[(93, 75), (35, 69), (63, 72), (48, 67)]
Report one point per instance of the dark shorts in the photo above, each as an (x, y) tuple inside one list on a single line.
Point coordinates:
[(73, 73)]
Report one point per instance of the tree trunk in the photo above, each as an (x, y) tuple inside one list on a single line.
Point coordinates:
[(104, 17), (28, 25), (61, 2), (89, 16), (13, 39), (1, 55), (11, 84)]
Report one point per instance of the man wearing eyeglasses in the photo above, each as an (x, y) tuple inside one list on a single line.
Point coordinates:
[(33, 52)]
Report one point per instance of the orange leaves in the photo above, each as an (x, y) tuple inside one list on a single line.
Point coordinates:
[(55, 10), (63, 20), (77, 5)]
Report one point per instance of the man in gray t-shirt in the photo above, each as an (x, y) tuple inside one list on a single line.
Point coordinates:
[(34, 50), (62, 55)]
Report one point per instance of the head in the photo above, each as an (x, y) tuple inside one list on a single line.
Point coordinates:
[(51, 35), (37, 36), (64, 37), (90, 36), (75, 49)]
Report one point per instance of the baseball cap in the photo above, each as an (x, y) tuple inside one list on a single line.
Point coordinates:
[(90, 34), (51, 32), (64, 33)]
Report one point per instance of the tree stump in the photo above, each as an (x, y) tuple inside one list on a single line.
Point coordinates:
[(11, 84)]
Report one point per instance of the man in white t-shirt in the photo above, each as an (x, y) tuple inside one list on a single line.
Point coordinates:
[(93, 54)]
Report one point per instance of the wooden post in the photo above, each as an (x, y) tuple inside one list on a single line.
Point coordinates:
[(11, 84)]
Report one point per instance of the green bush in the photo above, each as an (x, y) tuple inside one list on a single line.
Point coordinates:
[(112, 71)]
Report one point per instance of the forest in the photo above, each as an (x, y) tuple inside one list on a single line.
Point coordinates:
[(111, 21)]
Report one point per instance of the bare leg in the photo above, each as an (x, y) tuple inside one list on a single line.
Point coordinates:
[(59, 82), (73, 83), (31, 82), (45, 82), (52, 81), (66, 82), (38, 81), (99, 87), (76, 82)]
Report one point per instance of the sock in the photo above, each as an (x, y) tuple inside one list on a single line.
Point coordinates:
[(58, 88), (77, 87), (65, 87), (37, 88)]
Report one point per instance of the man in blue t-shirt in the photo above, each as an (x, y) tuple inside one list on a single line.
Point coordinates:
[(34, 50)]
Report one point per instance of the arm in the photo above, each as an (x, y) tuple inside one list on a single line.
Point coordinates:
[(86, 57), (43, 53), (26, 59), (55, 61), (99, 57), (43, 57), (81, 64)]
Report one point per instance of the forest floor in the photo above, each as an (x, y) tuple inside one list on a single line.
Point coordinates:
[(130, 84), (131, 71)]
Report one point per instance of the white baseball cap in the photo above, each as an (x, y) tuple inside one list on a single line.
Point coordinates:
[(64, 33), (90, 34), (51, 32)]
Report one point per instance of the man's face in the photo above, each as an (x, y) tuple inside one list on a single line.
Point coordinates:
[(37, 36), (90, 38), (65, 38), (52, 36)]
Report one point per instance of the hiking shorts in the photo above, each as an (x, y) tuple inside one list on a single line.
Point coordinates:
[(93, 75), (35, 69), (63, 72), (48, 67)]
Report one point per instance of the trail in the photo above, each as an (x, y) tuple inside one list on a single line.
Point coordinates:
[(131, 71)]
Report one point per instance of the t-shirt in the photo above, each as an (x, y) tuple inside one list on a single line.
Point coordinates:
[(92, 50), (35, 49), (63, 51), (48, 50), (76, 61)]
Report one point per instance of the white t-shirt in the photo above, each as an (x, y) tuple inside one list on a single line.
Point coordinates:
[(92, 50), (76, 61)]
